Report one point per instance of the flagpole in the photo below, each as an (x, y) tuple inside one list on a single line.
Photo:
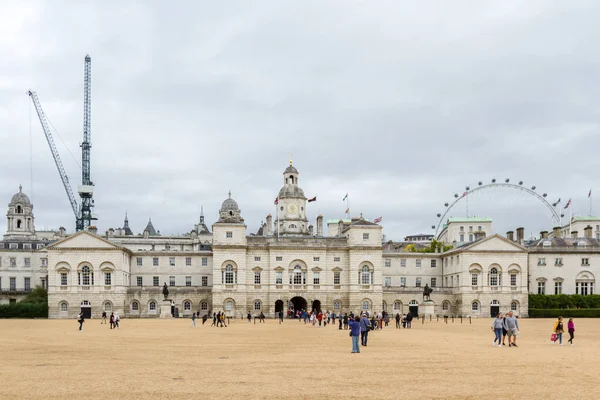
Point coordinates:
[(590, 196), (570, 220)]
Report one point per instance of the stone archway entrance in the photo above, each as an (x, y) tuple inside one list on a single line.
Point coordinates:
[(278, 306), (298, 303), (316, 305), (86, 309)]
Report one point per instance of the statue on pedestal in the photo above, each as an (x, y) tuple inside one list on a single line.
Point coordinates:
[(165, 290), (427, 293)]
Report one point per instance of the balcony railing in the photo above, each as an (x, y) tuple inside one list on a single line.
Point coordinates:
[(14, 290)]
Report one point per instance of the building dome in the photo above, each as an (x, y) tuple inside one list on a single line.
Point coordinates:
[(290, 170), (291, 191), (20, 198), (230, 204)]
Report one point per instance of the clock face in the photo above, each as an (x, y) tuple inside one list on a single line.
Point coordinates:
[(292, 208)]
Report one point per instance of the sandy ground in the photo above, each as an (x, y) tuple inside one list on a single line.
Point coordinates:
[(168, 359)]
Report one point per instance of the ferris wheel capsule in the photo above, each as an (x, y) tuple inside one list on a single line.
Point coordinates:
[(520, 182), (533, 188), (446, 204), (467, 188), (480, 183), (493, 180), (439, 215), (545, 194), (456, 195), (507, 180)]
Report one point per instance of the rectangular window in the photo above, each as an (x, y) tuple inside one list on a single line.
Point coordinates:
[(316, 278), (204, 261), (188, 261), (418, 282), (13, 261), (541, 287), (155, 281), (171, 281), (433, 263), (584, 288), (188, 281), (316, 259), (278, 258), (107, 278), (585, 261), (63, 279), (256, 258), (14, 246), (470, 237), (558, 262), (140, 281), (418, 263), (462, 228), (388, 263), (336, 259), (365, 236), (205, 281), (470, 229), (229, 234), (403, 281), (474, 279), (44, 262), (27, 246), (139, 261), (278, 278), (479, 228), (541, 261), (13, 284), (557, 287), (27, 262), (461, 237), (403, 262), (388, 281), (172, 261), (155, 261), (513, 279), (433, 282), (257, 278), (336, 278)]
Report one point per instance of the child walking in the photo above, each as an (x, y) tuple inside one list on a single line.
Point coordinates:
[(571, 328)]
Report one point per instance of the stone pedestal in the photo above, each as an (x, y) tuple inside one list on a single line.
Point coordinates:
[(427, 308), (165, 309)]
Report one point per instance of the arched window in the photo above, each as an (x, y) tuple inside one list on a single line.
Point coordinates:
[(493, 277), (475, 306), (204, 306), (297, 275), (397, 306), (257, 305), (229, 274), (187, 305), (445, 306), (366, 275), (19, 223), (514, 306), (19, 210), (64, 307), (337, 305), (108, 306), (229, 305), (366, 305), (85, 276), (152, 306), (135, 306)]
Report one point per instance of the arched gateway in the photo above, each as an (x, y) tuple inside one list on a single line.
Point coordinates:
[(298, 303)]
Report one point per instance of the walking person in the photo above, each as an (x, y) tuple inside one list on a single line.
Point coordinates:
[(193, 320), (364, 330), (340, 319), (103, 318), (280, 317), (354, 332), (261, 317), (204, 318), (497, 325), (346, 321), (117, 319), (214, 319), (80, 320), (504, 331), (571, 328), (249, 317), (558, 330), (111, 320), (511, 324), (397, 320)]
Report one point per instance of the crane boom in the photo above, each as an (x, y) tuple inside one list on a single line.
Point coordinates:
[(86, 190), (57, 161)]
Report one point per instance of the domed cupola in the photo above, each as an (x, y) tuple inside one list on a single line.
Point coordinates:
[(290, 187), (20, 198), (20, 215), (230, 211), (291, 205)]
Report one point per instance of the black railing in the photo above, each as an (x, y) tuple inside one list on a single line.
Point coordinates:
[(13, 290)]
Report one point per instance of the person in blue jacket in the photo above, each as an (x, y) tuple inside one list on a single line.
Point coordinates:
[(354, 332)]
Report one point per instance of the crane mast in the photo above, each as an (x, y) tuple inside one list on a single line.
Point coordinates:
[(86, 189), (57, 161)]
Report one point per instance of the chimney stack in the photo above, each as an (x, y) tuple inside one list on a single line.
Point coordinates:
[(544, 234), (269, 230), (310, 230), (93, 230), (556, 231), (574, 234), (510, 236), (61, 231), (587, 232), (520, 235), (320, 225), (340, 227)]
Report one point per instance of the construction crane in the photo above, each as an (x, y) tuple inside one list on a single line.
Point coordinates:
[(83, 214)]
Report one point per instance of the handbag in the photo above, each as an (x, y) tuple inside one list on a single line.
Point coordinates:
[(350, 333), (553, 337)]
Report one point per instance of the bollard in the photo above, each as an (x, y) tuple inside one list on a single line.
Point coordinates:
[(437, 318), (423, 320), (446, 319), (469, 319), (453, 319), (430, 318), (461, 319)]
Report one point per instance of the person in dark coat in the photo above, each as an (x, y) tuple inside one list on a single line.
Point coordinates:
[(80, 320)]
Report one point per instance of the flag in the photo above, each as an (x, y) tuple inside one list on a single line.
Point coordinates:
[(590, 194), (313, 199), (276, 201), (345, 197), (377, 220), (347, 210), (568, 204)]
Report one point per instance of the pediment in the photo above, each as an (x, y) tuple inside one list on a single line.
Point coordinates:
[(84, 240), (495, 243)]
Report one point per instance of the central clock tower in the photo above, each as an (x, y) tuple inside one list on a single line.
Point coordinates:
[(291, 207)]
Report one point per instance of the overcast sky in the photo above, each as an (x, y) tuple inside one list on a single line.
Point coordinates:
[(399, 104)]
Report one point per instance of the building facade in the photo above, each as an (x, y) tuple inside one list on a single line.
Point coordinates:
[(289, 264)]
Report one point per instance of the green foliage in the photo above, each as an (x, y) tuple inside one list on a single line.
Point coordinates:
[(563, 301), (572, 313), (24, 310), (434, 246), (38, 295)]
